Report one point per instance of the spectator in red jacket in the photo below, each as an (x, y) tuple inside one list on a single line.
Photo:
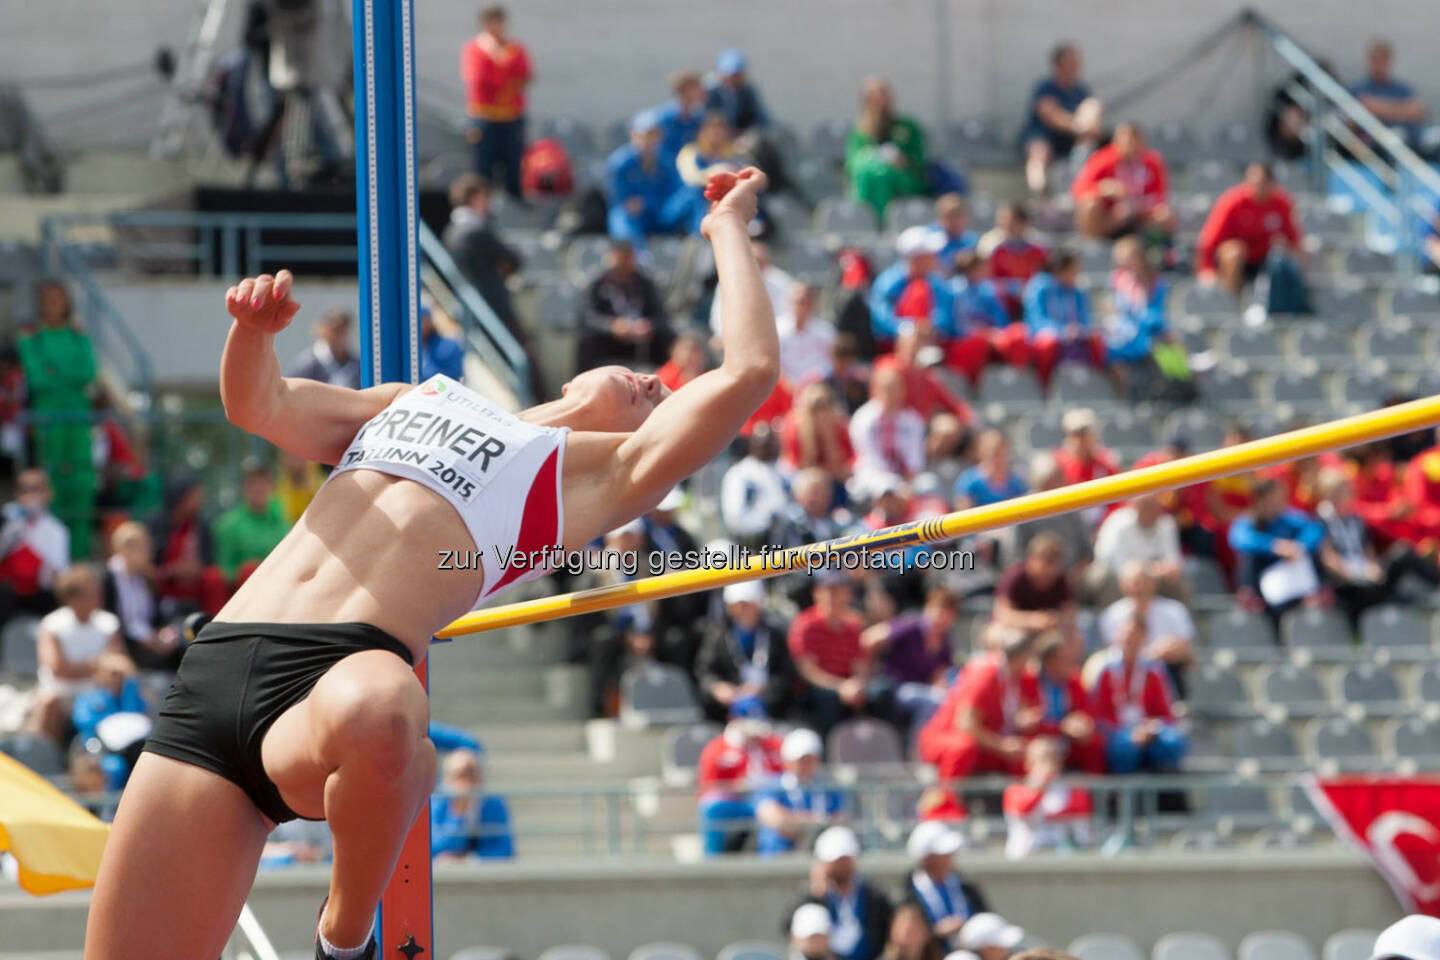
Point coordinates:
[(836, 671), (1123, 188), (1246, 223), (975, 730), (496, 70), (1054, 702), (1133, 702), (925, 393), (1421, 491), (1012, 256), (744, 756), (1040, 813)]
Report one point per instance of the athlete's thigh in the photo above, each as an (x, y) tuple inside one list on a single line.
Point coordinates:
[(178, 865)]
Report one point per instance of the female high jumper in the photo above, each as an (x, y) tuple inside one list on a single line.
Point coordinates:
[(299, 699)]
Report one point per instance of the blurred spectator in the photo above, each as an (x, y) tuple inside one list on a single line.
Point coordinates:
[(643, 185), (1054, 702), (123, 485), (1012, 256), (849, 377), (1133, 702), (888, 436), (34, 547), (1080, 456), (1394, 103), (734, 95), (916, 651), (1419, 498), (1034, 595), (1064, 116), (69, 642), (1041, 814), (1286, 122), (753, 493), (839, 678), (744, 667), (946, 897), (990, 480), (974, 730), (296, 482), (484, 259), (778, 284), (810, 516), (801, 802), (744, 756), (1414, 937), (911, 937), (1247, 223), (984, 332), (885, 151), (88, 786), (496, 70), (913, 288), (680, 116), (1273, 533), (1124, 188), (625, 320), (688, 359), (810, 933), (1068, 529), (465, 821), (330, 359), (185, 551), (1143, 354), (440, 353), (626, 636), (925, 392), (859, 912), (711, 152), (12, 405), (1168, 625), (114, 691), (1193, 506), (1351, 562), (806, 344), (59, 365), (1138, 532), (815, 434), (130, 594), (247, 532), (952, 222), (1057, 318), (990, 936)]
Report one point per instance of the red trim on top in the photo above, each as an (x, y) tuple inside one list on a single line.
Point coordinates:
[(540, 523)]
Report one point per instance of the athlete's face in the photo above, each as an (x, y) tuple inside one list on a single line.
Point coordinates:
[(615, 398)]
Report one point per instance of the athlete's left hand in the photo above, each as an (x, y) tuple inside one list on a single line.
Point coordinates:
[(263, 303)]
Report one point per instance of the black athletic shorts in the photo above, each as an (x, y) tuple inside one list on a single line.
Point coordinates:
[(234, 682)]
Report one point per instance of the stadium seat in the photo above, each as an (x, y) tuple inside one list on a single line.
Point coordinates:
[(1275, 945), (681, 751), (1189, 946), (1321, 221), (1362, 390), (665, 951), (578, 138), (1366, 263), (1394, 343), (1301, 391), (1211, 177), (1257, 347), (1010, 387), (844, 216), (1248, 804), (1204, 753), (1430, 684), (1209, 301), (1236, 142), (1175, 142), (1400, 631), (905, 212), (818, 179), (1297, 689), (789, 217), (1349, 945), (1199, 839), (867, 745), (752, 950), (827, 140), (586, 255), (1105, 946), (1326, 345), (1267, 743), (977, 140), (1202, 428), (1225, 389), (1128, 433), (1207, 582), (656, 694), (1415, 738), (18, 653), (1247, 635), (1323, 632), (37, 753), (1215, 691), (1373, 688), (574, 951), (559, 307), (1300, 803), (1343, 743), (539, 257), (1281, 838), (1415, 302), (1043, 432), (1081, 385), (808, 256), (1343, 305)]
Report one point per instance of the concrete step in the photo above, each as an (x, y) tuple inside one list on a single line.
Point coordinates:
[(473, 712), (531, 738), (545, 768), (510, 683)]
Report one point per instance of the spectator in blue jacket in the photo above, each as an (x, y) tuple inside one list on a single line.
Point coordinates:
[(645, 189), (1057, 317), (1139, 296), (680, 116), (439, 353), (801, 803), (733, 94), (115, 691), (464, 822), (1270, 533), (913, 288)]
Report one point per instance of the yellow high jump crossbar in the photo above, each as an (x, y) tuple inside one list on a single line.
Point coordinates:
[(1336, 434)]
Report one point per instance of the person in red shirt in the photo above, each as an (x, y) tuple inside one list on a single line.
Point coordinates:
[(1247, 221), (1123, 188), (1420, 490), (1080, 456), (975, 728), (743, 756), (1190, 506), (1379, 499), (1133, 702), (834, 668), (496, 70), (688, 359), (816, 433), (1053, 702), (925, 393), (1015, 259), (1041, 814)]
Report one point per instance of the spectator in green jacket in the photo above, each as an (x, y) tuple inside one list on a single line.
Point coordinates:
[(59, 365), (885, 152), (248, 531)]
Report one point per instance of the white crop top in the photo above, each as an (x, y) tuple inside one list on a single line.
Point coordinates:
[(501, 475)]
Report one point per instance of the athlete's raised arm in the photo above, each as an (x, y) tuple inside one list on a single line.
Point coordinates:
[(689, 429), (308, 418)]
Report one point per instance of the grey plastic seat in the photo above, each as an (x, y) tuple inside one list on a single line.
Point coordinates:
[(844, 216), (1374, 688), (1430, 684), (577, 136), (1301, 805), (586, 255), (1175, 141), (1203, 753), (827, 140), (1207, 582), (1361, 391), (1275, 945), (788, 215), (1297, 689), (1216, 691), (1368, 263), (1211, 177), (1123, 430), (977, 140), (1246, 802), (1202, 428), (1010, 387), (37, 753), (680, 754), (819, 179), (1236, 142), (1267, 743), (1343, 743), (1324, 344), (657, 694), (1349, 945), (1105, 946), (1300, 390), (1257, 347), (1198, 840), (1209, 301), (1189, 946), (1415, 302), (1323, 222), (574, 951), (1396, 344), (1323, 632), (1247, 635), (905, 212), (1415, 738), (1343, 305), (1401, 631), (18, 652), (665, 951), (1281, 838), (559, 307), (1043, 432), (866, 744), (1226, 389), (1081, 385), (752, 950)]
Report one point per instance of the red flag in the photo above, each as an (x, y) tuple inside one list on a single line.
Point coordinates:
[(1396, 821)]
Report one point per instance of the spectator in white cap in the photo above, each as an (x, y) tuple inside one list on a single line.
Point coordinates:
[(913, 288), (1414, 938), (744, 667), (990, 936), (810, 933), (948, 900), (800, 802), (859, 911)]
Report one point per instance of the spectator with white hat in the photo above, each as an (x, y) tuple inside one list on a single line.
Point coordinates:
[(990, 936), (800, 800), (914, 287), (859, 912), (810, 933), (948, 900), (744, 666), (1414, 938)]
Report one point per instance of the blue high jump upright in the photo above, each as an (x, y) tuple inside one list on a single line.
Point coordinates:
[(388, 224)]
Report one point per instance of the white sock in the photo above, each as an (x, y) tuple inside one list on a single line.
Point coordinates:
[(343, 953)]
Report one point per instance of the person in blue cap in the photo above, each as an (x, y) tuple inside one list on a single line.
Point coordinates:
[(644, 186), (734, 95), (680, 116)]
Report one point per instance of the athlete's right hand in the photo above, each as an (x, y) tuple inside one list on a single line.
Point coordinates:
[(263, 303), (733, 194)]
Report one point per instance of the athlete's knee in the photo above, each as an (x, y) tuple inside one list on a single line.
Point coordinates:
[(376, 718)]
